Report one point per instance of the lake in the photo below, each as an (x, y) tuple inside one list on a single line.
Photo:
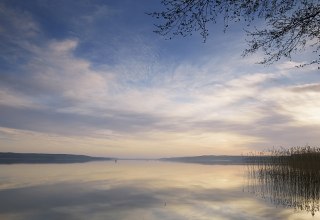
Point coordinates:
[(150, 190)]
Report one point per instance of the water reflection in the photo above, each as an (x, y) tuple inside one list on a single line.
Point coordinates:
[(287, 186), (131, 190)]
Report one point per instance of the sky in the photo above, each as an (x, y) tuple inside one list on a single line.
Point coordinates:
[(91, 77)]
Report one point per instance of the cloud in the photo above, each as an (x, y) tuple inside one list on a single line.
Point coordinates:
[(11, 98), (313, 87), (17, 21), (99, 83), (63, 94)]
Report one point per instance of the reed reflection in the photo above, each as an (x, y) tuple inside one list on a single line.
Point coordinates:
[(286, 184)]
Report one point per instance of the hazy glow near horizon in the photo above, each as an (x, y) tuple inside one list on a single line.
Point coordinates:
[(94, 79)]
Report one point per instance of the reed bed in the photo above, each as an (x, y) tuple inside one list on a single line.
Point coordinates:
[(287, 177), (298, 157)]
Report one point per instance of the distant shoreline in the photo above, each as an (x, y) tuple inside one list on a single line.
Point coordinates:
[(43, 158), (34, 158)]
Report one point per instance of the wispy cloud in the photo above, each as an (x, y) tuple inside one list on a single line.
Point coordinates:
[(133, 95)]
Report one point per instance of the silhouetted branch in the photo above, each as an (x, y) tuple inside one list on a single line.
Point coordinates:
[(291, 25)]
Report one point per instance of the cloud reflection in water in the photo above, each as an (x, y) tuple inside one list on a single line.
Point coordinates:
[(130, 190)]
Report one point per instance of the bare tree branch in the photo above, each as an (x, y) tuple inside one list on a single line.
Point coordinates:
[(291, 25)]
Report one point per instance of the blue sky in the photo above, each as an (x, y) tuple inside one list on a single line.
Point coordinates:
[(90, 77)]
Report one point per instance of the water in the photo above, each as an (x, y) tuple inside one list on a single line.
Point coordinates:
[(136, 190), (285, 185)]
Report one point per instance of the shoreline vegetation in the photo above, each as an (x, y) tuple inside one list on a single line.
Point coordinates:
[(33, 158), (296, 157), (287, 177)]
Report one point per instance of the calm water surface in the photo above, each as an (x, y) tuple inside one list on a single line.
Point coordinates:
[(134, 190)]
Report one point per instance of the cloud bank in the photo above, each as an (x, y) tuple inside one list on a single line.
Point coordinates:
[(139, 100)]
